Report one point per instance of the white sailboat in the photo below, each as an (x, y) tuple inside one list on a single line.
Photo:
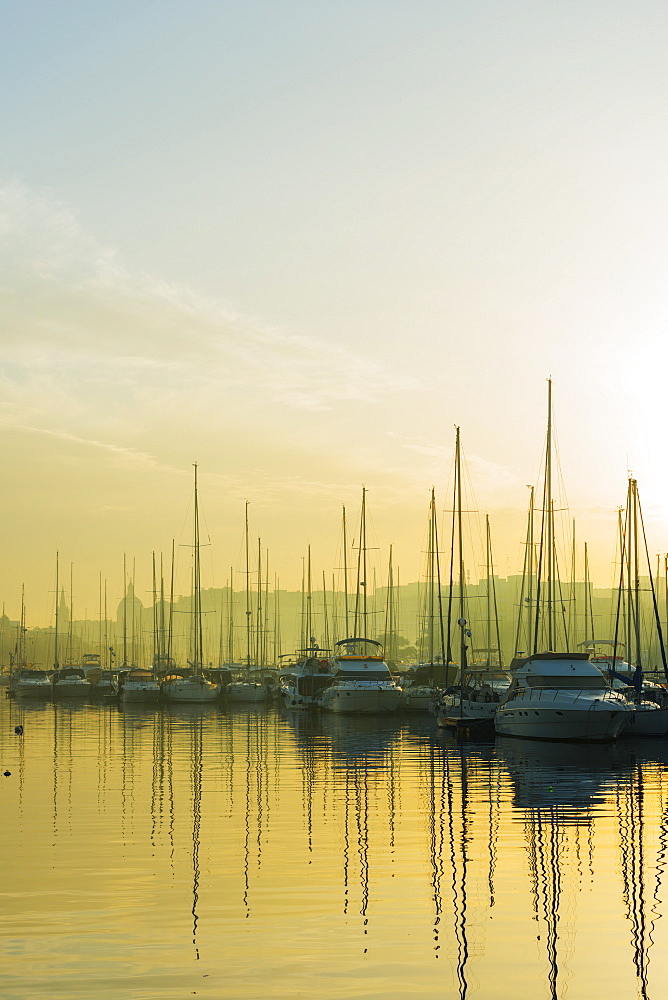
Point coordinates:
[(648, 701), (470, 704), (556, 695), (193, 687)]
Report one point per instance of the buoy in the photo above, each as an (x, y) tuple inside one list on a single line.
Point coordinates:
[(7, 773)]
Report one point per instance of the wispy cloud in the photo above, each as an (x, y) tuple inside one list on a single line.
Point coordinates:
[(83, 325)]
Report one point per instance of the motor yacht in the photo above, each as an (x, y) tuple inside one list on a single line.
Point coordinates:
[(560, 696), (362, 683)]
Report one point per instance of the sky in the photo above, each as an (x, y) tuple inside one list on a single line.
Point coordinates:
[(298, 243)]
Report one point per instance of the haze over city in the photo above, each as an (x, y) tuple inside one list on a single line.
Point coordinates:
[(299, 243)]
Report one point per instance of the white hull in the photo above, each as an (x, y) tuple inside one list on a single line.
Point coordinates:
[(538, 721), (248, 693), (143, 694), (72, 689), (38, 689), (417, 699), (647, 722), (474, 711), (357, 699), (300, 702), (191, 689)]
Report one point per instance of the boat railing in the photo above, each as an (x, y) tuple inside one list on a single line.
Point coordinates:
[(552, 694)]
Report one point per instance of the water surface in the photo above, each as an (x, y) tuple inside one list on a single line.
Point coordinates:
[(252, 853)]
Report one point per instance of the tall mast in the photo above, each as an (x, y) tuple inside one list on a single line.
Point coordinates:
[(363, 582), (248, 607), (99, 617), (258, 616), (125, 612), (230, 632), (488, 559), (55, 653), (572, 616), (325, 615), (309, 613), (156, 640), (431, 575), (460, 535), (277, 621), (197, 584), (550, 521), (345, 570), (546, 552), (636, 574), (107, 658), (171, 611)]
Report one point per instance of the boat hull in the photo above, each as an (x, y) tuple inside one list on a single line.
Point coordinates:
[(478, 712), (246, 693), (70, 689), (27, 690), (357, 700), (189, 690), (540, 722), (144, 695), (647, 722)]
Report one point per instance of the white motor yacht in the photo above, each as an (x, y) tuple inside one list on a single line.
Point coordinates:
[(362, 683), (560, 696), (70, 682), (137, 685), (32, 683)]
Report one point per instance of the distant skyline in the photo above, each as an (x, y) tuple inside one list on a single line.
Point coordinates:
[(298, 244)]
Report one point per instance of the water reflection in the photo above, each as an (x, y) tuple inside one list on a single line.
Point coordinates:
[(251, 852)]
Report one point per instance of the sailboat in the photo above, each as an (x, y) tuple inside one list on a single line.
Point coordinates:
[(194, 687), (649, 701), (244, 686), (471, 703), (362, 681), (556, 695)]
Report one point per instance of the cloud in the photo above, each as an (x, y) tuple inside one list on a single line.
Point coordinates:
[(84, 329)]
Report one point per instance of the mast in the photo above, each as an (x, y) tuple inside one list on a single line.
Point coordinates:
[(258, 616), (55, 653), (230, 628), (125, 612), (345, 570), (197, 584), (70, 633), (156, 640), (546, 550), (389, 613), (309, 613), (248, 607), (325, 614), (364, 566), (431, 575), (171, 611), (488, 559), (460, 537)]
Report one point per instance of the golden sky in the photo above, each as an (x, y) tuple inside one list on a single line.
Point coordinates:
[(298, 244)]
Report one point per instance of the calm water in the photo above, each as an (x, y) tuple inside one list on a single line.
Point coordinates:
[(170, 853)]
